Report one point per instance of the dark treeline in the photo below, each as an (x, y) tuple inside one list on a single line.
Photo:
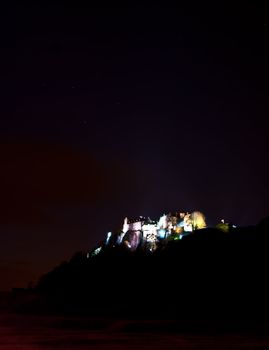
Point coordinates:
[(207, 274)]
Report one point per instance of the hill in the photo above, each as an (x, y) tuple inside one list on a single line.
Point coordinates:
[(207, 274)]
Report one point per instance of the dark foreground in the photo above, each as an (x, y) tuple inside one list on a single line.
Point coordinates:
[(136, 300), (58, 332)]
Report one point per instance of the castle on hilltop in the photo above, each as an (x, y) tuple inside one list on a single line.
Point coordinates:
[(146, 233)]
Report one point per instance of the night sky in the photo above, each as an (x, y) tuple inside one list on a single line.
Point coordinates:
[(114, 112)]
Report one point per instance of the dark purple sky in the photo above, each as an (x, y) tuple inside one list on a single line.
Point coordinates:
[(114, 112)]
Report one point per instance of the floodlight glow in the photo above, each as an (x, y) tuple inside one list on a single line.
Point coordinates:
[(163, 222), (96, 251), (162, 233), (109, 234), (198, 220), (125, 225), (148, 230)]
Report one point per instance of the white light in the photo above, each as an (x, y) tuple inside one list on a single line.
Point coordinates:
[(96, 251), (109, 234), (125, 227)]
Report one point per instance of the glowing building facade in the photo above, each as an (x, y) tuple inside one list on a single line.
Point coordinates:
[(146, 234)]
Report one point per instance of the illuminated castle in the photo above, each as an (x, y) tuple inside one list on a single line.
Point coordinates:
[(146, 233)]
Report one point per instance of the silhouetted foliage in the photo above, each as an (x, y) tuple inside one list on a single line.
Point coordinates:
[(206, 274)]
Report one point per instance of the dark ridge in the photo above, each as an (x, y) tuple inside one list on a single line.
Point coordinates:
[(208, 274)]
